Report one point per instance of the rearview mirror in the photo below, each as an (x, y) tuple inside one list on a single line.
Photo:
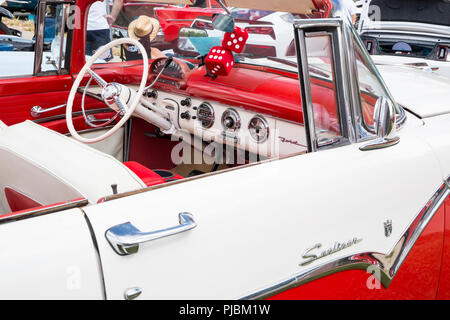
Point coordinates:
[(385, 126)]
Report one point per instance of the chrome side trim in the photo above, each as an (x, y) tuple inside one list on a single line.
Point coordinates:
[(97, 253), (387, 264), (43, 211)]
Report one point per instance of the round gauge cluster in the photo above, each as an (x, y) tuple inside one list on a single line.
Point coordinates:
[(231, 121), (259, 129), (205, 114)]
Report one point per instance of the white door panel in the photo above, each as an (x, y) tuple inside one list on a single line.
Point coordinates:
[(49, 257), (255, 223)]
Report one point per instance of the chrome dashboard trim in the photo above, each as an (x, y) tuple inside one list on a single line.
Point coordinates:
[(387, 264)]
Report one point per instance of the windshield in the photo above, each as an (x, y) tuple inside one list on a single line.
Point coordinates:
[(429, 11), (188, 32)]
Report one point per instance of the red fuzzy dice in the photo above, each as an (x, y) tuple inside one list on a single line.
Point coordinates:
[(219, 61), (235, 41)]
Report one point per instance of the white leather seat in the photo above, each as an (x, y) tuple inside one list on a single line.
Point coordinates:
[(48, 167)]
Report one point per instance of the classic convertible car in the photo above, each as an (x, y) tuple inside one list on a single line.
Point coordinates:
[(414, 33), (222, 177)]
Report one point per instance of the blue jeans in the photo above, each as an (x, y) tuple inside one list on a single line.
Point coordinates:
[(95, 39)]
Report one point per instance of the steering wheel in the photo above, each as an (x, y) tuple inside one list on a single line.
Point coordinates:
[(116, 96)]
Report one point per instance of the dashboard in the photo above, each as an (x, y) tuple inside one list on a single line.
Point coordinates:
[(211, 121), (245, 110)]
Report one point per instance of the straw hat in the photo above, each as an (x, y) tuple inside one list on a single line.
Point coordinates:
[(143, 27)]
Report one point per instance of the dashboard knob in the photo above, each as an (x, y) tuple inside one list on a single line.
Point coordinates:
[(152, 94), (185, 115), (228, 122), (186, 102)]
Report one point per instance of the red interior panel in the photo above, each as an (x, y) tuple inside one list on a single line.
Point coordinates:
[(149, 177), (18, 201), (149, 149)]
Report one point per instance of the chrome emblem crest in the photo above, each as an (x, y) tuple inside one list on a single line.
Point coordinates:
[(388, 228), (310, 256)]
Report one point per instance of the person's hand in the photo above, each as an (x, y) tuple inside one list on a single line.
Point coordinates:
[(109, 18)]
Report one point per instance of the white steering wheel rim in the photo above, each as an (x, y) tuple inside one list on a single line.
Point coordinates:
[(80, 77)]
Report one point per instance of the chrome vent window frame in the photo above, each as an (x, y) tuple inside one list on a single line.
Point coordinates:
[(364, 131)]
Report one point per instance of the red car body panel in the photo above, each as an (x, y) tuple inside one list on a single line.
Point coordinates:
[(417, 278), (444, 281)]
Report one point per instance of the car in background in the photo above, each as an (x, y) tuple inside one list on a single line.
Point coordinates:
[(22, 5), (270, 33), (409, 32), (171, 18), (4, 29), (359, 6)]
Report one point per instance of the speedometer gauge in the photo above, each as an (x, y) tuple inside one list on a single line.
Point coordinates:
[(205, 114), (259, 129), (174, 70)]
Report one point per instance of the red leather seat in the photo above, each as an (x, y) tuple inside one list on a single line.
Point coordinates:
[(151, 177)]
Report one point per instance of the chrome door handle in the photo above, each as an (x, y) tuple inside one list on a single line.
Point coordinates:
[(125, 238), (37, 110)]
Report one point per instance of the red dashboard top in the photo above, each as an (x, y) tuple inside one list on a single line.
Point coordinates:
[(258, 91)]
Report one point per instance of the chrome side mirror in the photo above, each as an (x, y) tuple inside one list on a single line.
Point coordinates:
[(384, 125)]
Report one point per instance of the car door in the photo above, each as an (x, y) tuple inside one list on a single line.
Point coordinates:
[(254, 224), (48, 254), (263, 229)]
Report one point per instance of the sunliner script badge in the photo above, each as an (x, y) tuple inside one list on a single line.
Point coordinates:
[(310, 256)]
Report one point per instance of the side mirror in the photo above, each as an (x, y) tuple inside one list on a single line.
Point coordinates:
[(384, 125)]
